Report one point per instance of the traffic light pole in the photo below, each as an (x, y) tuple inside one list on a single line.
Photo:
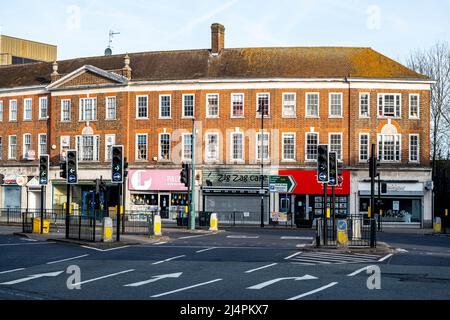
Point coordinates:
[(68, 211), (192, 211), (333, 207), (42, 209), (119, 207), (325, 185), (379, 202), (372, 183)]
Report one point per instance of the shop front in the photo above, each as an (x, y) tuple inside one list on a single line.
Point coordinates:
[(306, 203), (402, 204), (235, 193), (11, 192), (158, 191)]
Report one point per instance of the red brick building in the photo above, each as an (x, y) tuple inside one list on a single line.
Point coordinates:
[(348, 98)]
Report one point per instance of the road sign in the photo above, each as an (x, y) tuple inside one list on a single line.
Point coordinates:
[(282, 184)]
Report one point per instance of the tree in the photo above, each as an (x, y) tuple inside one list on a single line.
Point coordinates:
[(435, 63)]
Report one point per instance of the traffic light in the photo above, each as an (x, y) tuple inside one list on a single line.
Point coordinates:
[(333, 170), (63, 167), (384, 188), (44, 164), (117, 165), (322, 162), (72, 167), (373, 167), (185, 175)]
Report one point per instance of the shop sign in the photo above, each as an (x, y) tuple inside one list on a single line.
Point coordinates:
[(283, 184), (306, 182), (22, 180), (396, 205), (279, 217), (223, 178), (155, 180)]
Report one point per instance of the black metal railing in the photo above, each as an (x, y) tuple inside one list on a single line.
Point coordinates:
[(135, 222), (84, 228), (361, 231)]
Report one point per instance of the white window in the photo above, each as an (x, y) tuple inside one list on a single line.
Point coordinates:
[(364, 105), (88, 109), (12, 148), (88, 148), (312, 105), (1, 111), (335, 144), (187, 146), (27, 109), (164, 146), (110, 141), (1, 148), (262, 146), (212, 147), (335, 105), (414, 106), (363, 147), (26, 145), (288, 146), (237, 146), (65, 110), (263, 104), (43, 108), (237, 105), (64, 146), (188, 105), (312, 141), (389, 147), (141, 147), (212, 105), (142, 107), (42, 143), (165, 106), (13, 110), (111, 108), (389, 105), (414, 148), (289, 105)]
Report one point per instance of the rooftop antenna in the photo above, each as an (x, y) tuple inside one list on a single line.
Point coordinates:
[(108, 50)]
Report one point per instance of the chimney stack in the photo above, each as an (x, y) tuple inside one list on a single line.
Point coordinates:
[(218, 38)]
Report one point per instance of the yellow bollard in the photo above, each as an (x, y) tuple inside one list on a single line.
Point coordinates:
[(446, 212), (157, 226), (381, 212), (328, 213), (213, 222), (107, 230), (369, 212)]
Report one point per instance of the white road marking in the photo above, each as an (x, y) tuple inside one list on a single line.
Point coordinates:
[(304, 263), (268, 266), (154, 279), (170, 259), (336, 258), (190, 237), (297, 238), (35, 276), (28, 239), (25, 244), (358, 271), (159, 243), (386, 257), (291, 256), (11, 271), (103, 277), (105, 250), (313, 260), (186, 288), (204, 250), (68, 259), (270, 282), (401, 250), (243, 237), (313, 291)]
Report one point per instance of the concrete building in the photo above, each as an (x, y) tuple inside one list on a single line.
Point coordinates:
[(149, 102), (20, 51)]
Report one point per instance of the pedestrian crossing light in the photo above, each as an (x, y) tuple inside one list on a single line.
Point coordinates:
[(63, 168), (72, 167), (185, 175), (44, 162), (322, 162), (333, 181), (118, 164)]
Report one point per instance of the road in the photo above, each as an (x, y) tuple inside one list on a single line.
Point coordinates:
[(240, 264)]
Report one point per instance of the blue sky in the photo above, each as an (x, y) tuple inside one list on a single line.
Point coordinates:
[(80, 27)]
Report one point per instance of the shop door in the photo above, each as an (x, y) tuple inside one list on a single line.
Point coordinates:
[(11, 197), (88, 203), (302, 217), (164, 201)]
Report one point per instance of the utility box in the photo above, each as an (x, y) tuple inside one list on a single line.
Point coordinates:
[(437, 226), (37, 226), (342, 237)]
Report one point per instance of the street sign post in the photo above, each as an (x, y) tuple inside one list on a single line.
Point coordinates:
[(282, 184)]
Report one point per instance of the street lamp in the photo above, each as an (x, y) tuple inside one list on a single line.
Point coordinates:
[(262, 192)]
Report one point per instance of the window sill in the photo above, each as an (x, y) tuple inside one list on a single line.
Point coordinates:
[(164, 118), (311, 161), (289, 160), (212, 117), (335, 117), (289, 117), (389, 117), (237, 117), (364, 117), (142, 119), (188, 118), (312, 117), (111, 119), (66, 121), (414, 118)]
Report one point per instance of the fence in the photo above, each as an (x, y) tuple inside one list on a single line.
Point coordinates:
[(361, 231), (236, 218), (135, 222)]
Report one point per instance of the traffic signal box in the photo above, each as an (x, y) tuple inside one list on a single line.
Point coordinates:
[(44, 163), (72, 167), (63, 168), (333, 169), (118, 164), (185, 175), (322, 164)]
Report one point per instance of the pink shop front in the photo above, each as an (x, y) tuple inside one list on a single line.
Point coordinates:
[(157, 190)]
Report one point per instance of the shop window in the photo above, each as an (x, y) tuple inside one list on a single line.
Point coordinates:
[(144, 199)]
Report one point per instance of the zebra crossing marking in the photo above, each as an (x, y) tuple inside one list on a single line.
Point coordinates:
[(325, 258)]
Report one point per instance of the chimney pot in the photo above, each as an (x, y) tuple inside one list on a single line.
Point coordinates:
[(218, 38)]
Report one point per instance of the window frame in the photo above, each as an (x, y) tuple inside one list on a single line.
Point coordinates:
[(25, 100), (137, 147), (46, 108), (39, 143), (418, 106), (359, 147), (10, 109), (1, 148), (25, 154), (283, 158), (306, 146), (109, 145), (107, 99), (160, 159), (10, 149), (161, 96), (184, 116), (418, 148), (232, 159), (258, 145), (137, 107), (207, 144), (1, 110), (207, 106), (383, 116), (283, 106), (258, 94), (341, 95), (69, 111), (61, 147), (95, 148), (183, 155), (368, 105), (82, 116), (341, 158), (234, 94), (307, 94), (382, 160)]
